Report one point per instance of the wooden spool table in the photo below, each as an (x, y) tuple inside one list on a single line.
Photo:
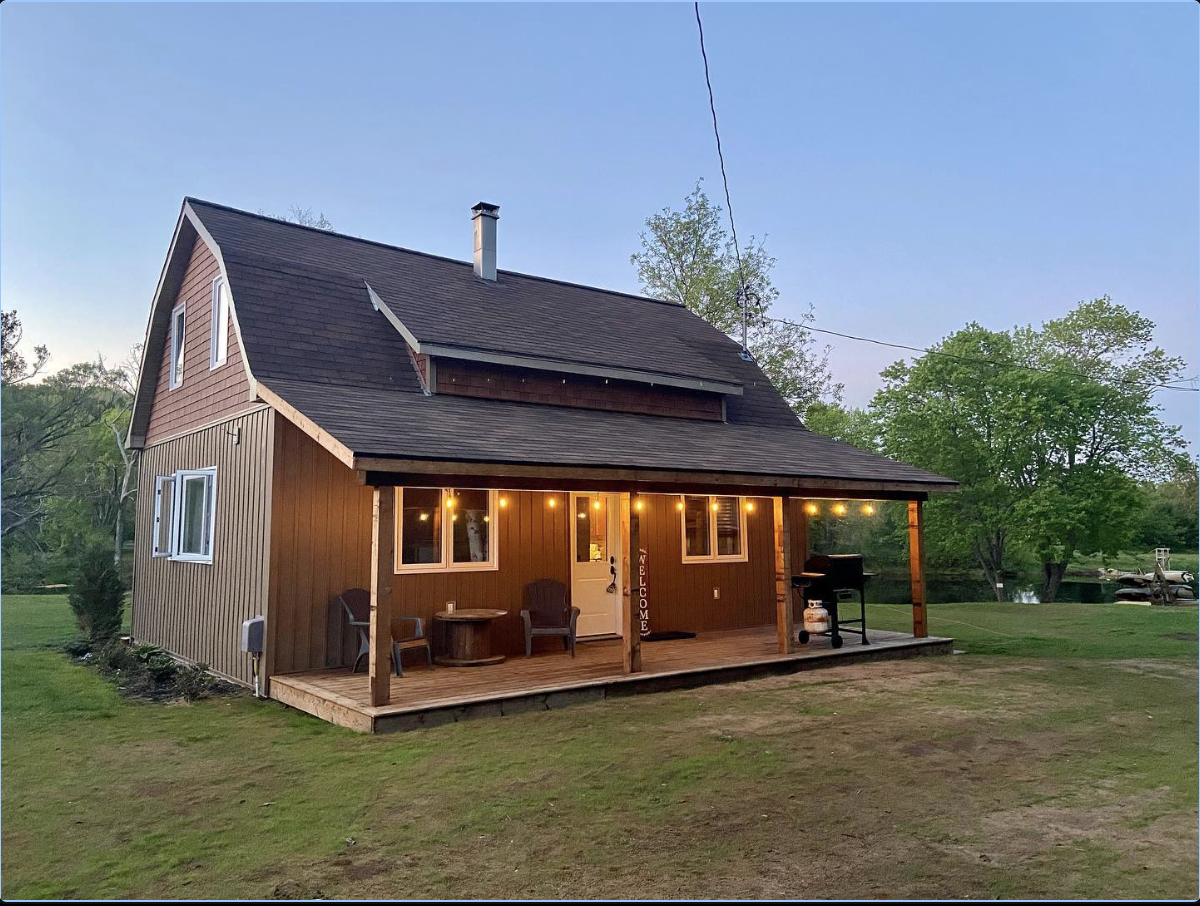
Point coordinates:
[(466, 639)]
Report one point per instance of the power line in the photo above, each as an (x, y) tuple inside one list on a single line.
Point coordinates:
[(745, 298), (737, 252), (978, 361)]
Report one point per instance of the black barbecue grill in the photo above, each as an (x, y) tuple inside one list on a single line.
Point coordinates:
[(830, 579)]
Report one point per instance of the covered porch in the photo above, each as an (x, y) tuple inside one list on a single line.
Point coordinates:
[(629, 511), (429, 697), (744, 613)]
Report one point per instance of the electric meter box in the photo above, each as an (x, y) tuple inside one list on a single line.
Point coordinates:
[(253, 633)]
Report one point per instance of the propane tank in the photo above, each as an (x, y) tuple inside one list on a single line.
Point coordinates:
[(816, 617)]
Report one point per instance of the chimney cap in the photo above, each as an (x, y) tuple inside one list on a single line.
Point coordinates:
[(489, 210)]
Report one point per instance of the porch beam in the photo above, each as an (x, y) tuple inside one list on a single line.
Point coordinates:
[(916, 567), (785, 629), (631, 634), (383, 535), (519, 476)]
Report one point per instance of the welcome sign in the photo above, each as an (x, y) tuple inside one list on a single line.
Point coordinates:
[(643, 595)]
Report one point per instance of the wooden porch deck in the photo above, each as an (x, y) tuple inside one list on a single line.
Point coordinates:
[(425, 697)]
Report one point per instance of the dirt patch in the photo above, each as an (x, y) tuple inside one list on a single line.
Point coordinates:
[(1149, 667), (1182, 636), (1128, 825)]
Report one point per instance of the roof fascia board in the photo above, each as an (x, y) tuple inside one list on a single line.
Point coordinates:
[(520, 361), (797, 485), (204, 234), (339, 450), (188, 228), (135, 439)]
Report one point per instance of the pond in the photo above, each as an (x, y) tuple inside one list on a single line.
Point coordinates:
[(894, 588)]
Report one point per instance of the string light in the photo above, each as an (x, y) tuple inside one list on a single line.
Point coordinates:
[(552, 502), (868, 509), (839, 509), (424, 517), (714, 506), (596, 505), (503, 501), (638, 505), (679, 505), (812, 509), (749, 506)]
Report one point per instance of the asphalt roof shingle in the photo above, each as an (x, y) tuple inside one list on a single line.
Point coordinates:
[(311, 335)]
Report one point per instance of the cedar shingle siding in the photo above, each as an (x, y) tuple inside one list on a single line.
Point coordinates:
[(525, 385), (204, 395)]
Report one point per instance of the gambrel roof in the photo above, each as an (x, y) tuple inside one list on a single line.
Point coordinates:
[(326, 323)]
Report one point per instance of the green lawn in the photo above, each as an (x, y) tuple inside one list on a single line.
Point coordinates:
[(1137, 560), (1056, 758)]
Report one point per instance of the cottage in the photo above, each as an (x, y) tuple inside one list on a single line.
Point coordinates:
[(318, 412)]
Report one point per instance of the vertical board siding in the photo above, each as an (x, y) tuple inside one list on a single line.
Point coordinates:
[(204, 395), (681, 595), (195, 610), (321, 545)]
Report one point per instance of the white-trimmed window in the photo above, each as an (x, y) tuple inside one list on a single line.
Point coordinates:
[(164, 509), (219, 346), (178, 330), (445, 530), (713, 529), (185, 515)]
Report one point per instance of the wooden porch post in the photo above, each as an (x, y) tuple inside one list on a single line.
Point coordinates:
[(784, 620), (916, 566), (631, 634), (383, 539)]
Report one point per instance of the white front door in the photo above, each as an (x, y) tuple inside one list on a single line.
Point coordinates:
[(595, 572)]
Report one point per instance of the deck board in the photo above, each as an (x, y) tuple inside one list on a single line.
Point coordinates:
[(426, 696)]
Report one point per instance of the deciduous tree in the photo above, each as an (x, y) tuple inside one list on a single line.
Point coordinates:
[(688, 257)]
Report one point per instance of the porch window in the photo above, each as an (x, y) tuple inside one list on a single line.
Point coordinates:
[(445, 529), (178, 326), (219, 345), (714, 529)]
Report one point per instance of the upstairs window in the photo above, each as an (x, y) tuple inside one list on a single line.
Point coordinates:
[(178, 320), (445, 529), (219, 346), (714, 529)]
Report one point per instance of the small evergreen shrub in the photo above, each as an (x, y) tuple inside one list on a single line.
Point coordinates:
[(78, 647), (98, 595)]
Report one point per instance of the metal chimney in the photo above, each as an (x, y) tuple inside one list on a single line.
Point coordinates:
[(485, 216)]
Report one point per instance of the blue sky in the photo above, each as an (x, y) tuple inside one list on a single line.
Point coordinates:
[(913, 166)]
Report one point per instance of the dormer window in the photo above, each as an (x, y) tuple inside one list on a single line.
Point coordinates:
[(177, 337), (219, 346)]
